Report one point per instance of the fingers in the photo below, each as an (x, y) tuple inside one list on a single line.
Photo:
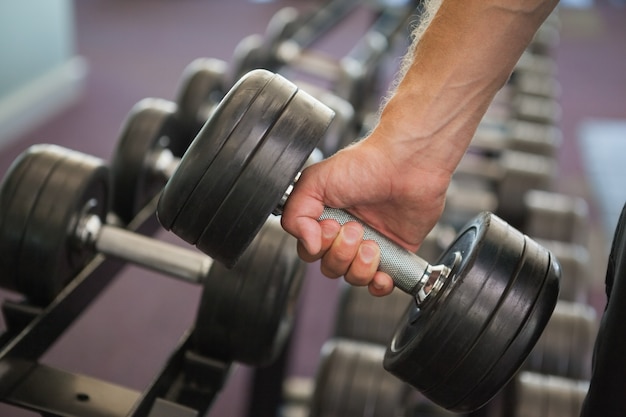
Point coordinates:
[(346, 254), (329, 231)]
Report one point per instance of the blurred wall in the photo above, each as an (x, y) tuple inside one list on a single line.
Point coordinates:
[(40, 74)]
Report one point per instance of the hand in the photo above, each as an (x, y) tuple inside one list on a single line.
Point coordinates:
[(400, 197)]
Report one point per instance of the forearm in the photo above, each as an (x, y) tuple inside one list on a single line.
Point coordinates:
[(461, 60)]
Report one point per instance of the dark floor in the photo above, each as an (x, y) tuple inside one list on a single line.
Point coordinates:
[(138, 49)]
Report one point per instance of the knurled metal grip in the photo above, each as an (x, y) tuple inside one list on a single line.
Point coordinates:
[(407, 270)]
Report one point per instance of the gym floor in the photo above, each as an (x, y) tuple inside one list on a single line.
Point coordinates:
[(138, 49)]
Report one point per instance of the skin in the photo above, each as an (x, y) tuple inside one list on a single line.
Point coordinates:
[(396, 178)]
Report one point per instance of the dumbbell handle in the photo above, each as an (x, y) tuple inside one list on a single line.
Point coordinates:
[(145, 251), (409, 272)]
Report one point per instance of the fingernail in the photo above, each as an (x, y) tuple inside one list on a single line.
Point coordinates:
[(367, 253), (377, 285), (329, 231), (351, 234)]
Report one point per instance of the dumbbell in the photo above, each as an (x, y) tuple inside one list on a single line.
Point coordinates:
[(464, 203), (518, 135), (287, 29), (476, 314), (369, 319), (143, 159), (542, 214), (353, 77), (547, 37), (535, 395), (351, 382), (509, 176), (536, 63), (356, 76), (556, 216), (521, 106), (565, 347), (157, 130), (202, 85), (344, 128), (53, 202), (533, 84), (576, 272)]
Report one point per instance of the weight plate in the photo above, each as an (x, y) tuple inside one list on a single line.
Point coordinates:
[(18, 196), (351, 382), (364, 317), (47, 257), (231, 158), (513, 356), (220, 205), (571, 348), (150, 127), (263, 182), (246, 313), (468, 341), (201, 87), (248, 55), (332, 381), (215, 133), (280, 28), (575, 269)]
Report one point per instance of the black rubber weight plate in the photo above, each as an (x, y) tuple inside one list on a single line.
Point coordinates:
[(47, 258), (351, 382), (470, 340), (263, 181), (364, 317), (150, 125), (194, 163), (18, 196), (519, 320), (246, 313), (201, 87), (234, 154)]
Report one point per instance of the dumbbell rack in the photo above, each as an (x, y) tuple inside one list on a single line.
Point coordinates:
[(184, 387)]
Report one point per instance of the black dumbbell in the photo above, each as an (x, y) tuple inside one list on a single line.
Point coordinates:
[(351, 382), (541, 214), (565, 347), (533, 84), (477, 313), (143, 159), (53, 204), (509, 176), (354, 77), (202, 85), (288, 31), (533, 108), (143, 153), (518, 135), (556, 216), (532, 394), (344, 129), (531, 62), (369, 319), (576, 271), (157, 130)]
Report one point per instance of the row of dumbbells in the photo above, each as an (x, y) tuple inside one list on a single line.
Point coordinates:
[(157, 132), (351, 381), (510, 167), (55, 217), (60, 209)]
